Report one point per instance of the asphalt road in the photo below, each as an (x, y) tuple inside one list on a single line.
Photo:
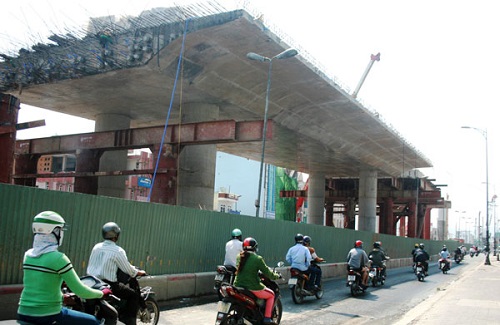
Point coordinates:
[(382, 305)]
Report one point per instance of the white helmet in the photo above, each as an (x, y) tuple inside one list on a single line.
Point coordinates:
[(47, 222)]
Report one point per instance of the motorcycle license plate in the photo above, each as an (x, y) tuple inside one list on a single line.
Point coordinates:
[(351, 278), (372, 274), (223, 307), (219, 277), (419, 269), (292, 281)]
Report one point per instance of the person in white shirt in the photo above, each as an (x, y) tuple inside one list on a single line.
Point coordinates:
[(233, 248), (109, 262), (445, 255)]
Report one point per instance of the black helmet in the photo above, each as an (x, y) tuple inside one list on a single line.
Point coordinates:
[(110, 230), (299, 238), (422, 246), (376, 244), (250, 244), (307, 240)]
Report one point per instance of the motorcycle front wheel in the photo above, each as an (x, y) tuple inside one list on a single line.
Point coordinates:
[(297, 296), (233, 317), (150, 315)]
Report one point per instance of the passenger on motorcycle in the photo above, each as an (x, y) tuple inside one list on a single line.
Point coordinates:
[(45, 268), (247, 275), (413, 252), (422, 256), (378, 257), (233, 248), (106, 261), (358, 260), (314, 271), (298, 256), (445, 255)]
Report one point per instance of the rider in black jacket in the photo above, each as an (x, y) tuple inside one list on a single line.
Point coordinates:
[(422, 256)]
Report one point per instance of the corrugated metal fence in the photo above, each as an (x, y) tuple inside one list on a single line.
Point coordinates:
[(163, 239)]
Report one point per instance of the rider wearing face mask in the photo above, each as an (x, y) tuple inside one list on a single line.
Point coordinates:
[(45, 268)]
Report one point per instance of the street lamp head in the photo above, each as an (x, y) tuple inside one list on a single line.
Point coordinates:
[(257, 57), (283, 55), (286, 54)]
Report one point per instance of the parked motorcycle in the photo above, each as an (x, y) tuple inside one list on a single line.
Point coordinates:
[(354, 282), (241, 306), (376, 276), (444, 265), (298, 285), (109, 310), (225, 274), (419, 271)]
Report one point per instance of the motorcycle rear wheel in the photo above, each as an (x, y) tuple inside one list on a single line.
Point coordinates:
[(277, 312), (297, 296), (152, 313)]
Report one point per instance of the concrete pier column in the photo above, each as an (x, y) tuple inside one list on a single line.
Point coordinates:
[(441, 224), (367, 219), (9, 108), (196, 179), (316, 199), (113, 186)]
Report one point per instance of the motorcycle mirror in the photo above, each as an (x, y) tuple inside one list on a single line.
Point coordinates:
[(281, 264)]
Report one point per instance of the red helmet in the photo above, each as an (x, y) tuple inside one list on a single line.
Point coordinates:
[(250, 244), (358, 243)]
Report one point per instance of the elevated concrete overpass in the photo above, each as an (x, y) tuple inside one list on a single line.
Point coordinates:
[(122, 74)]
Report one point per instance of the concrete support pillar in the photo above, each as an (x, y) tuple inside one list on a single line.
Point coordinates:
[(412, 220), (367, 212), (316, 199), (441, 224), (113, 186), (86, 161), (9, 108), (196, 179)]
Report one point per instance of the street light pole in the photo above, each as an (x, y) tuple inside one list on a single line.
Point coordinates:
[(257, 57), (484, 133)]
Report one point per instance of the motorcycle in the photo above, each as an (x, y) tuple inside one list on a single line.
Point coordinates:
[(458, 258), (376, 276), (108, 311), (241, 306), (419, 271), (444, 265), (225, 274), (298, 285), (354, 282)]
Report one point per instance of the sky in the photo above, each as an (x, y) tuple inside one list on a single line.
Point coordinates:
[(438, 71)]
